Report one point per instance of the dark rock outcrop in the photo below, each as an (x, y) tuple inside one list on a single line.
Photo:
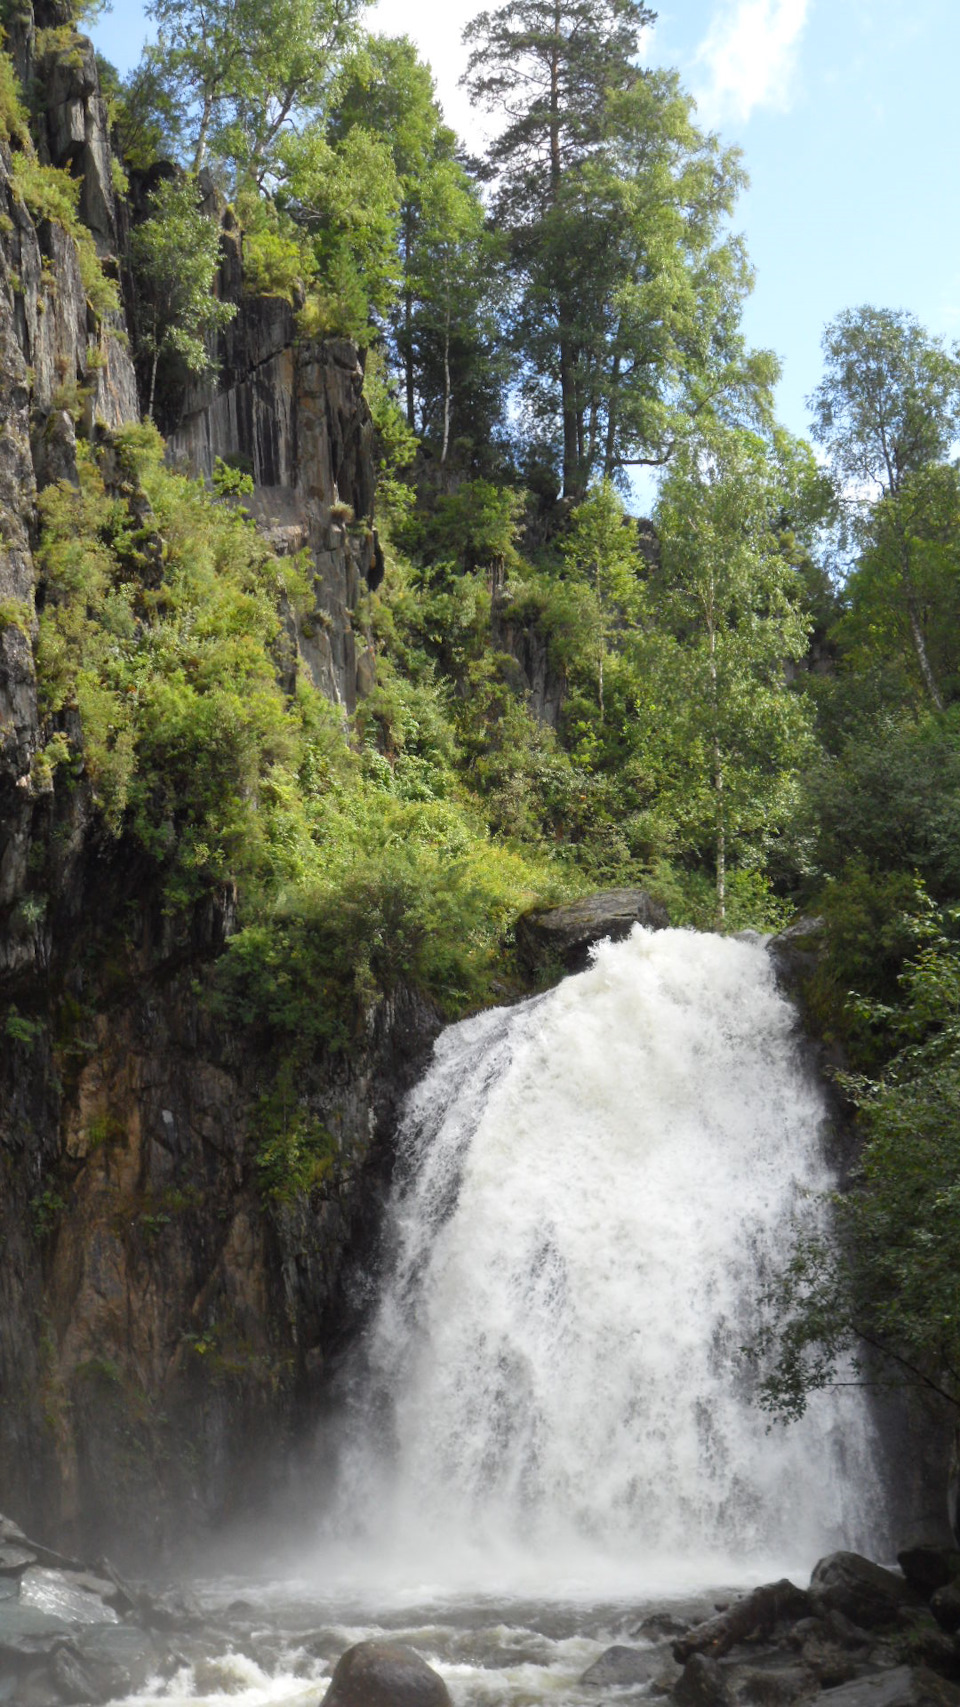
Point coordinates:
[(868, 1595), (291, 412), (860, 1635), (385, 1674), (904, 1686), (756, 1614), (927, 1568), (564, 935)]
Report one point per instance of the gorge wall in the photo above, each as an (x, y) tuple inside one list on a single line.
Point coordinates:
[(164, 1325)]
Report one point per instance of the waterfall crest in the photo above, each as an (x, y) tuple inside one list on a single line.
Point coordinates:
[(591, 1185)]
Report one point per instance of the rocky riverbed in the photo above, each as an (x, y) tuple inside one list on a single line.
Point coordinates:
[(74, 1633)]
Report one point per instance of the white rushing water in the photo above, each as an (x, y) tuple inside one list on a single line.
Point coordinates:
[(553, 1398), (551, 1434)]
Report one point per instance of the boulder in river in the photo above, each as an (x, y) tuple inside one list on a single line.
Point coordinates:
[(903, 1686), (756, 1614), (945, 1606), (620, 1666), (869, 1595), (566, 934), (385, 1674)]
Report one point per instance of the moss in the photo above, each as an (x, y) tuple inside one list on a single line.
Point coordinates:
[(46, 1208), (18, 614), (14, 119)]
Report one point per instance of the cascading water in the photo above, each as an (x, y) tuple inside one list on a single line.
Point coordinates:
[(592, 1185)]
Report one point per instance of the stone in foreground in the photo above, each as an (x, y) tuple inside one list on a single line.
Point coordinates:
[(385, 1674), (904, 1686), (620, 1666)]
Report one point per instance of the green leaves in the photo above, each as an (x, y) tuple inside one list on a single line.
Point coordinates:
[(245, 73), (175, 254), (884, 1285), (730, 616)]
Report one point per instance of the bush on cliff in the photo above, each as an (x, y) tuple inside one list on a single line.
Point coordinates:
[(165, 626)]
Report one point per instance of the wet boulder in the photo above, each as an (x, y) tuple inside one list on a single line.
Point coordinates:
[(703, 1683), (769, 1685), (621, 1666), (755, 1614), (867, 1594), (385, 1674), (903, 1686), (945, 1606)]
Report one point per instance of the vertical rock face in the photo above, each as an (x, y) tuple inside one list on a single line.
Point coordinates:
[(164, 1321), (291, 412)]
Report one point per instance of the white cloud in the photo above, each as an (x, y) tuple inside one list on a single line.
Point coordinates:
[(748, 55)]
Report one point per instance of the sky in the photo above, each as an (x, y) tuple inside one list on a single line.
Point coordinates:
[(846, 114)]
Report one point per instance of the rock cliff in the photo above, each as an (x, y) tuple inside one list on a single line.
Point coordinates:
[(164, 1321), (291, 412)]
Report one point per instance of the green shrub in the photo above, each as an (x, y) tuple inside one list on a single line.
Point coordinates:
[(51, 194)]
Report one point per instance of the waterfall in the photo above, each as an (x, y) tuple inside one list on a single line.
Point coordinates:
[(592, 1185)]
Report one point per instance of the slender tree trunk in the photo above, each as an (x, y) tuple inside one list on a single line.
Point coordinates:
[(408, 318), (916, 629), (591, 441), (567, 400), (571, 467), (153, 382), (446, 387), (598, 585), (611, 447), (721, 837), (720, 803), (201, 148)]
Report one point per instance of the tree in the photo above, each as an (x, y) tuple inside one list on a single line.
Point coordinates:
[(627, 294), (385, 88), (442, 327), (871, 1295), (552, 66), (175, 254), (245, 72), (887, 410), (447, 276), (602, 548), (345, 196), (730, 617)]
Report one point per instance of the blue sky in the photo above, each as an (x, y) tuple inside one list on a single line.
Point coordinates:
[(846, 113)]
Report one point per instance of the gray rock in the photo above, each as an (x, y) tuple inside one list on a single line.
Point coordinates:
[(903, 1686), (755, 1614), (62, 1595), (703, 1683), (25, 1630), (385, 1674), (864, 1592), (796, 952), (118, 1658), (769, 1686), (945, 1606), (566, 934), (621, 1665)]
